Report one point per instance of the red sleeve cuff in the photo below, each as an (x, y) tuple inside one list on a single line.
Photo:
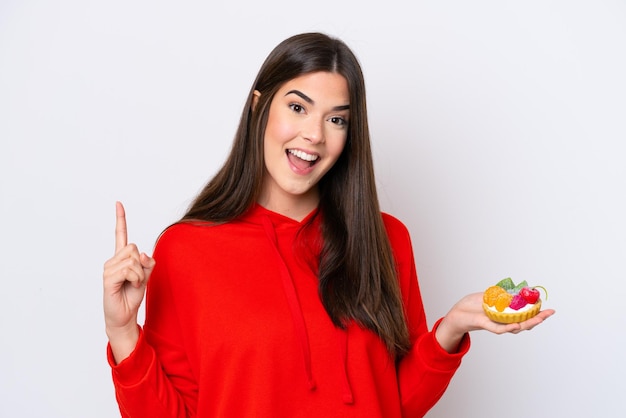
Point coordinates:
[(435, 357), (134, 368)]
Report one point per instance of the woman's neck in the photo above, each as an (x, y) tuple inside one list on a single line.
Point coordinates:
[(296, 207)]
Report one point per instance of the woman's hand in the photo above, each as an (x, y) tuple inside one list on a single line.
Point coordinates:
[(125, 277), (468, 315)]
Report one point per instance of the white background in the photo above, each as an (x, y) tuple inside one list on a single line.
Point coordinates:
[(499, 132)]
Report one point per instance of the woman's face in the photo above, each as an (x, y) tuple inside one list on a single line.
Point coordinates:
[(306, 132)]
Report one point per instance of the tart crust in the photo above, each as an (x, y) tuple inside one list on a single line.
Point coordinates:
[(509, 318)]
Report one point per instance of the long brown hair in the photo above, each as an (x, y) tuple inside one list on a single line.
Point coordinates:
[(357, 276)]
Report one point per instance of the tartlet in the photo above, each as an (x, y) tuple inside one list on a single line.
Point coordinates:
[(507, 302)]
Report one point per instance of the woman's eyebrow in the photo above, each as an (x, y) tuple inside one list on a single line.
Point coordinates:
[(311, 101), (301, 95)]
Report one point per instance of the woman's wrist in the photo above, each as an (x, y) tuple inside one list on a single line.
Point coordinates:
[(123, 341), (448, 338)]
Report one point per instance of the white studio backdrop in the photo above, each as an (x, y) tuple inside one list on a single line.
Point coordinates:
[(499, 134)]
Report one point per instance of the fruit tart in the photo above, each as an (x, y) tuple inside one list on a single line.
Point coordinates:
[(507, 302)]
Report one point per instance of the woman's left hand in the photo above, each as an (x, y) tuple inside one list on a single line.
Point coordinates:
[(468, 315)]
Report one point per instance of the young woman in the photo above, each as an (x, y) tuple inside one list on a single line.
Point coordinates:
[(283, 291)]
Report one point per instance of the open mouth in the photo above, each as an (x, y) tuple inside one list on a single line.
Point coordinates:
[(301, 159)]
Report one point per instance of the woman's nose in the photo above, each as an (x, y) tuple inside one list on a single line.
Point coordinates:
[(313, 131)]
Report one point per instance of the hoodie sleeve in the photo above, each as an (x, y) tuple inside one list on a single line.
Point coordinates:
[(156, 380), (425, 372)]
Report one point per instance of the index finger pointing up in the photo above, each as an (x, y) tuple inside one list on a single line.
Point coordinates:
[(121, 234)]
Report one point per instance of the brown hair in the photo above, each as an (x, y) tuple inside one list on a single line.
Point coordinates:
[(357, 276)]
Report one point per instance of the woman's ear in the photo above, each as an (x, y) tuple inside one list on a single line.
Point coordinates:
[(255, 98)]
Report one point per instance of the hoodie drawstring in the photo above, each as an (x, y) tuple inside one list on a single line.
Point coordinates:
[(299, 324), (292, 300), (347, 395)]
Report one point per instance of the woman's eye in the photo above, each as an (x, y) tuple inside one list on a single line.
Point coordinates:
[(296, 107), (338, 121)]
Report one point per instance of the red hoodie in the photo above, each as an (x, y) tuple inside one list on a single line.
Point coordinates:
[(235, 328)]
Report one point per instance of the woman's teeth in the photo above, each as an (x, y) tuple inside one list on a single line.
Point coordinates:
[(303, 155)]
